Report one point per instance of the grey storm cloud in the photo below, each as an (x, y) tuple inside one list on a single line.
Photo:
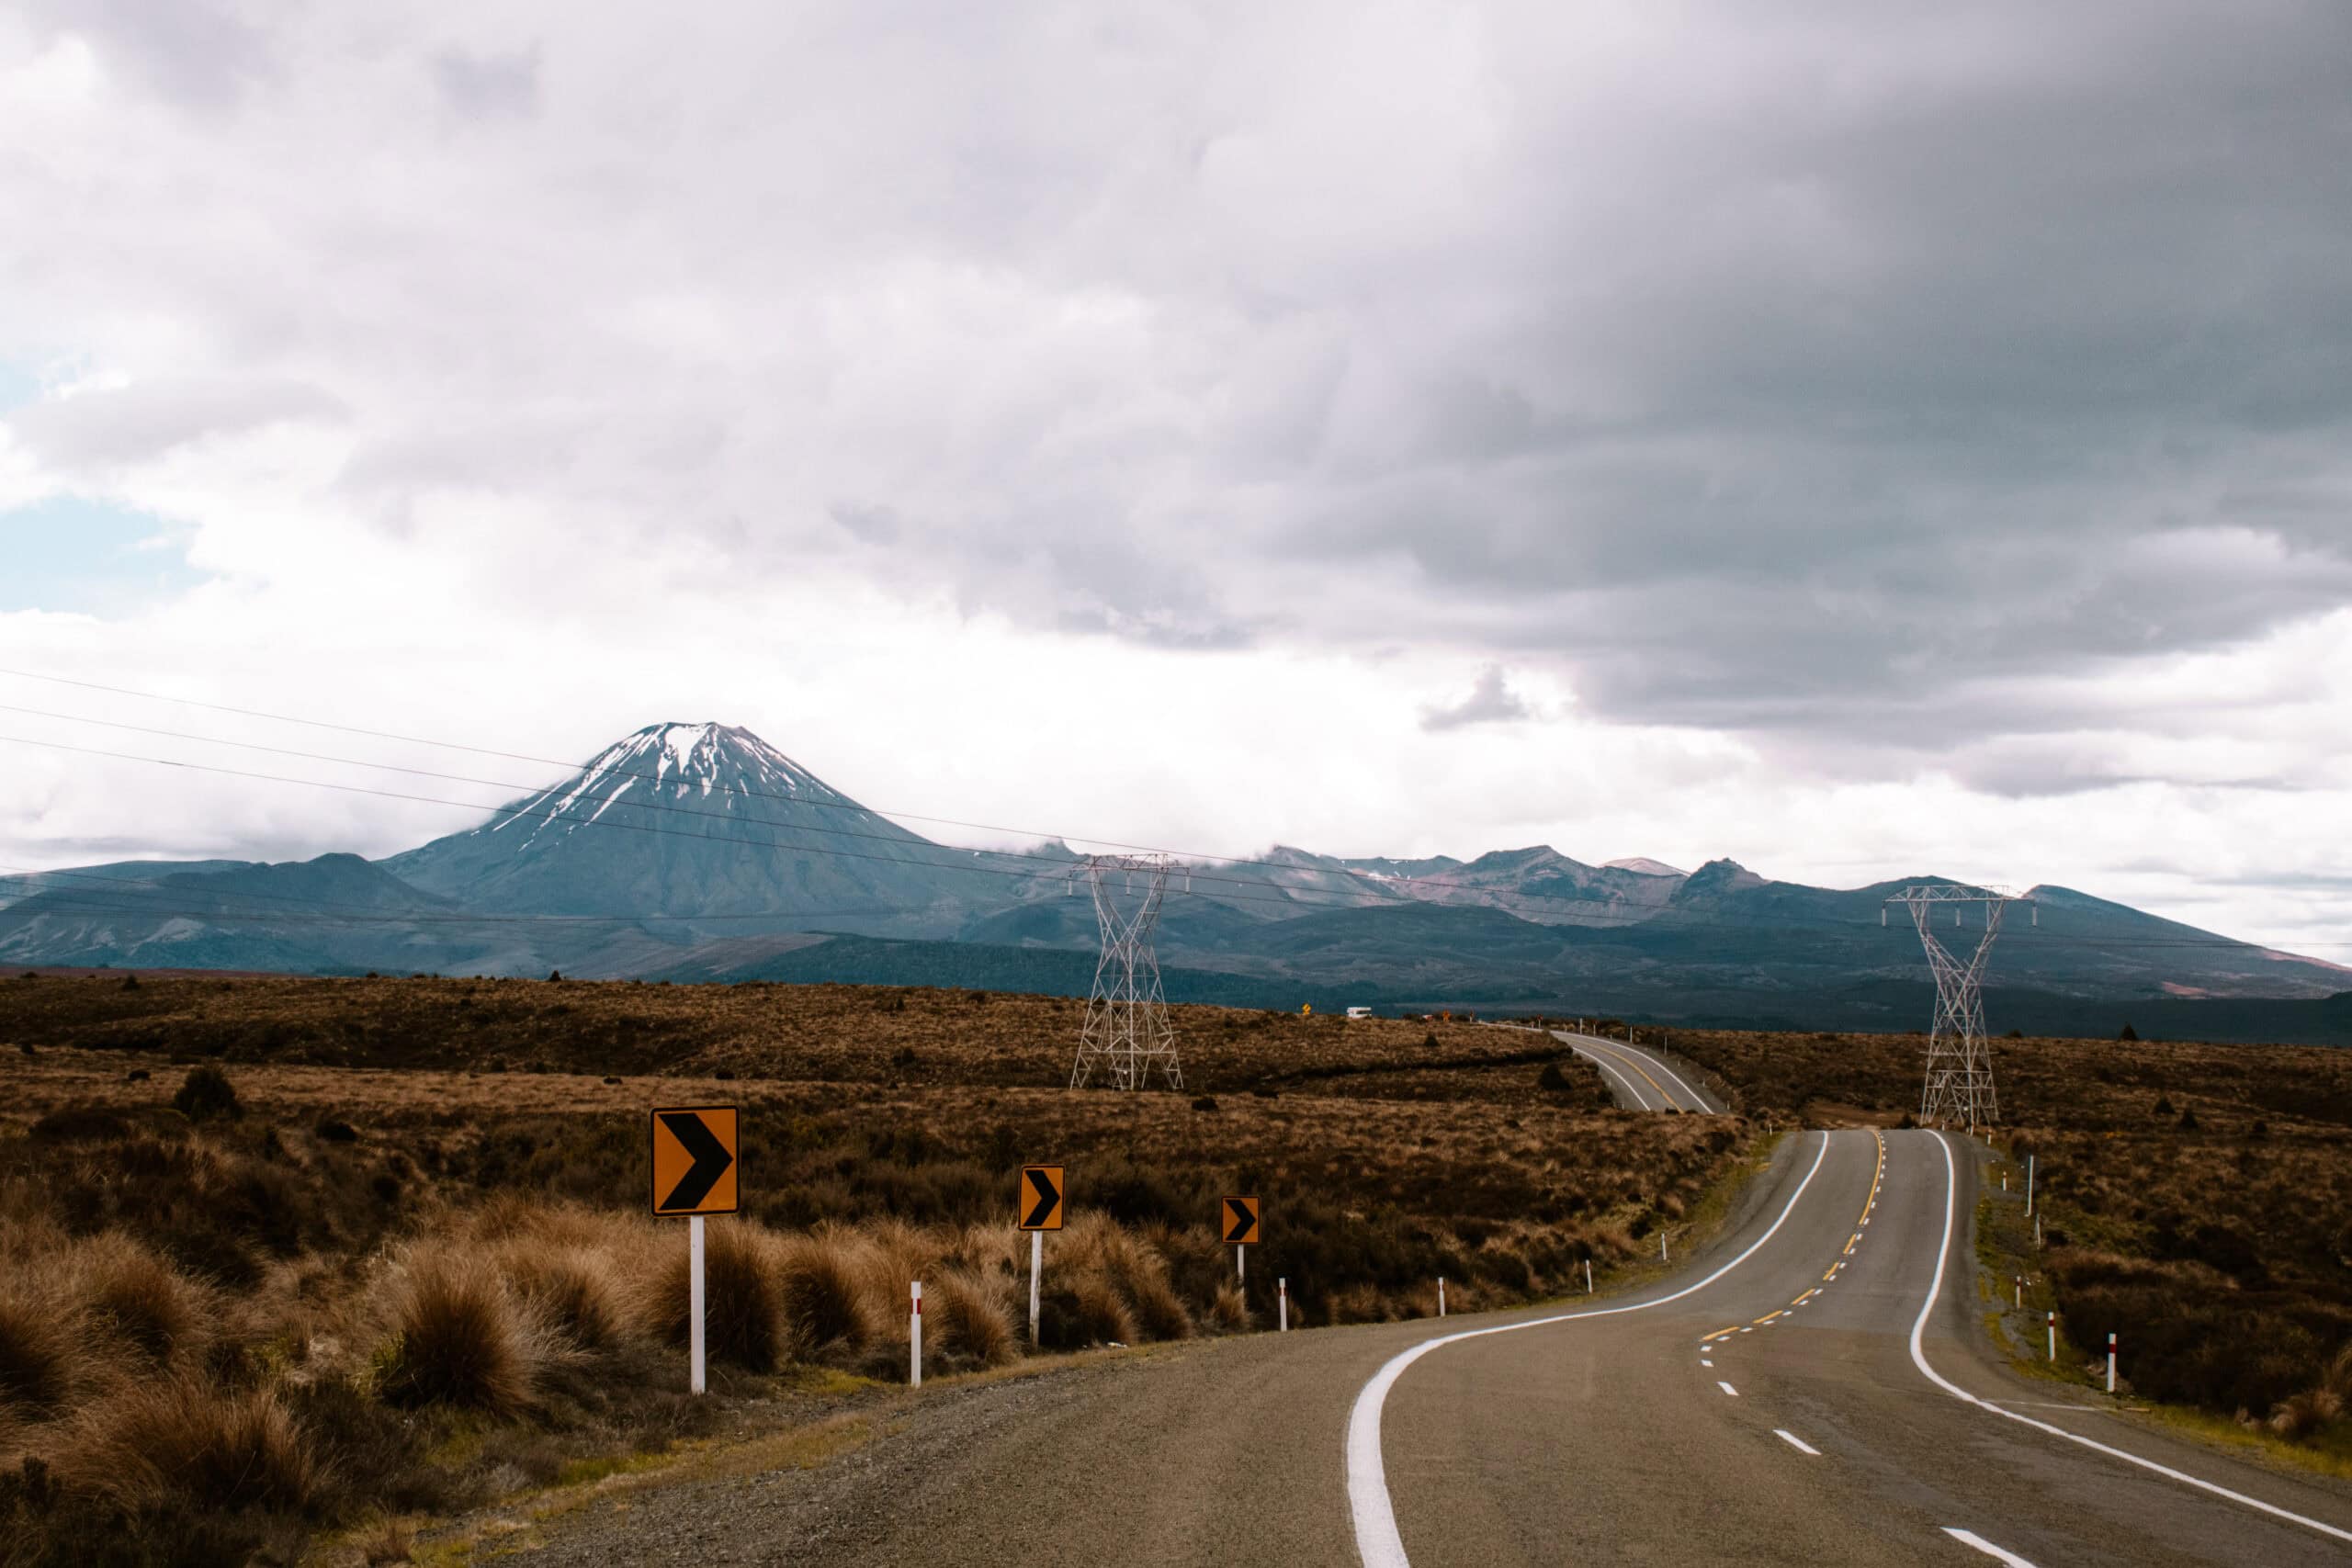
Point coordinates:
[(1834, 373), (1491, 701)]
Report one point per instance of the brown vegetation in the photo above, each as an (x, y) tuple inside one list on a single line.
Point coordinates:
[(379, 1247)]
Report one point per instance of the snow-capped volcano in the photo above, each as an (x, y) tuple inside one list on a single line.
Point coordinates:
[(691, 820)]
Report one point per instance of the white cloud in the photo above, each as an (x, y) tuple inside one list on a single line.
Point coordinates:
[(1142, 423)]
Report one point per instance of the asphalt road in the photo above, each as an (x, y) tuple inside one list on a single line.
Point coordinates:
[(1641, 1078), (1769, 1404)]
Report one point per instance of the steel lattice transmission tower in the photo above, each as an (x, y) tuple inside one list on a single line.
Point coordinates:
[(1127, 1032), (1959, 1090)]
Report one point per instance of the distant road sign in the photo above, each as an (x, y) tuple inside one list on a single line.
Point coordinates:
[(1241, 1221), (1041, 1197), (695, 1162)]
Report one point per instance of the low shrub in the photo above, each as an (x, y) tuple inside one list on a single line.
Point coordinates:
[(206, 1093)]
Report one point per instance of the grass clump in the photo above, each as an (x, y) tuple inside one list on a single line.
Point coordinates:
[(823, 1303), (37, 1344), (743, 1319), (207, 1093), (132, 1297), (459, 1338), (176, 1440)]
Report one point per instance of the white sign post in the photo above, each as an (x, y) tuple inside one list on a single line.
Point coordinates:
[(914, 1338), (1588, 1276), (694, 1303), (1281, 1297), (1440, 1295), (1240, 1268), (1036, 1263), (2111, 1363)]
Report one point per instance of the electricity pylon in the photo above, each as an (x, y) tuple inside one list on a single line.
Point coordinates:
[(1126, 1017), (1958, 1090)]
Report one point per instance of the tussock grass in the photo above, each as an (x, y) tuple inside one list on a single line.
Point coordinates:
[(580, 1292), (39, 1369), (130, 1297), (826, 1308), (743, 1318), (460, 1336), (465, 1297), (177, 1439), (970, 1319)]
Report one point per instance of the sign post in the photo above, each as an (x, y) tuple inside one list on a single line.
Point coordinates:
[(1241, 1228), (696, 1171), (1282, 1295), (1041, 1210), (914, 1336)]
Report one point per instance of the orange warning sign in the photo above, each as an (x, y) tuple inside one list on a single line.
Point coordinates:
[(695, 1164)]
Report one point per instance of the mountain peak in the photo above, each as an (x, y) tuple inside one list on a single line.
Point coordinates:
[(1645, 866)]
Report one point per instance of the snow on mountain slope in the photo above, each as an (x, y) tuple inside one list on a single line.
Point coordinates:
[(702, 820)]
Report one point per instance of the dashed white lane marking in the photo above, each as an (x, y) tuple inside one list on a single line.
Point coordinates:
[(1704, 1362), (1796, 1442), (1378, 1544), (1969, 1537), (1727, 1388), (1919, 1360)]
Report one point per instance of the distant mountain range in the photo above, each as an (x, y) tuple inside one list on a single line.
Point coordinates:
[(698, 851)]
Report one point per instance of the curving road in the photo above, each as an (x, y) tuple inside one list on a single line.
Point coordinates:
[(1641, 1078), (1811, 1390)]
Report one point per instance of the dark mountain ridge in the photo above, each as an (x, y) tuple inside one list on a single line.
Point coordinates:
[(700, 852)]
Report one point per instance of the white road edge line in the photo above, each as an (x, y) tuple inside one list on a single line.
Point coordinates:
[(1919, 1360), (1659, 1063), (1377, 1543), (1617, 1072), (1969, 1537), (1727, 1388), (1795, 1443)]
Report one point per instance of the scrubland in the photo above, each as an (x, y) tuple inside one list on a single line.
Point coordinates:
[(2196, 1200), (282, 1258)]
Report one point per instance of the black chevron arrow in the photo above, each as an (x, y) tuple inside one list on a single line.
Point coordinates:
[(1243, 1221), (1048, 1197), (711, 1159)]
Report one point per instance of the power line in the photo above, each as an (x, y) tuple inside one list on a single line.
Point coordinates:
[(1371, 881), (1616, 914)]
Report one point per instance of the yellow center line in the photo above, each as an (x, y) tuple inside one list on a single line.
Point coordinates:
[(1720, 1334), (1768, 1317), (1625, 1059)]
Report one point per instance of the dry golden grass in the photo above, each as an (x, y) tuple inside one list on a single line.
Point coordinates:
[(430, 1263), (180, 1440), (460, 1336)]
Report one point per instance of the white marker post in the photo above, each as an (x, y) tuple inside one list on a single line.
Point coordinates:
[(1241, 1265), (1588, 1276), (1440, 1295), (2053, 1336), (914, 1338), (2020, 1279), (2029, 1187), (694, 1303), (1036, 1263), (1282, 1299), (2110, 1362)]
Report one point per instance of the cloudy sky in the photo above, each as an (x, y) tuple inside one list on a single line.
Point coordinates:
[(1856, 439)]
